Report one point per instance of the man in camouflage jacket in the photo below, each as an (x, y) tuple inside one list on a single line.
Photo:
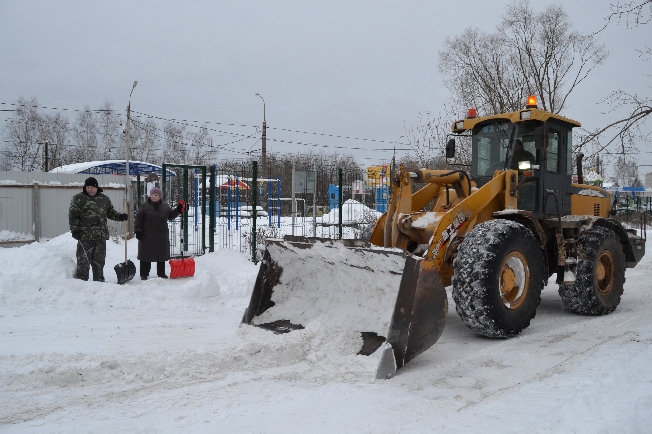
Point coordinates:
[(87, 218)]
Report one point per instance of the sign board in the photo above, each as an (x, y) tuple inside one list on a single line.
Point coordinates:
[(376, 173), (304, 181)]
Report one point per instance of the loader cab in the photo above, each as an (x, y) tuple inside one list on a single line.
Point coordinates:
[(545, 160)]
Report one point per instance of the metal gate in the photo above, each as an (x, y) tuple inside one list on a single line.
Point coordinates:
[(189, 184)]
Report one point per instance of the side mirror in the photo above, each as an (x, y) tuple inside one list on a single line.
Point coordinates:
[(450, 149), (539, 132)]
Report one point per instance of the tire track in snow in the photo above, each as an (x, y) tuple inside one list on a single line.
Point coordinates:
[(466, 380), (317, 355)]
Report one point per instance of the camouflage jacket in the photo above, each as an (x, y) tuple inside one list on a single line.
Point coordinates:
[(89, 214)]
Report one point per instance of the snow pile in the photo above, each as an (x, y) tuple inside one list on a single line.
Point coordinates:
[(7, 235), (335, 286), (593, 177), (170, 355), (352, 212), (429, 219), (589, 192)]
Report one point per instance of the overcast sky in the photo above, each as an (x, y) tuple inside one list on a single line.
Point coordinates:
[(361, 69)]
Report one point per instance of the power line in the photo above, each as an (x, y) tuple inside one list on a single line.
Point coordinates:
[(292, 141), (244, 137), (187, 123), (338, 147), (144, 128), (52, 108)]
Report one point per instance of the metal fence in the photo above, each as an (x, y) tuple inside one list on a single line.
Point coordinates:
[(222, 203), (34, 205)]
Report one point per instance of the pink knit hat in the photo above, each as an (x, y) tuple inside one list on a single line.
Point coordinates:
[(155, 190)]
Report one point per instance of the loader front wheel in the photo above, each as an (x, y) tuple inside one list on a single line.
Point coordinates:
[(498, 277), (600, 274)]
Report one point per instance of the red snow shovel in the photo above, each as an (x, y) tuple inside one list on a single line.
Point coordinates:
[(182, 266), (125, 271)]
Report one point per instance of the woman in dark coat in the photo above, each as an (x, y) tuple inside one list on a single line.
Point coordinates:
[(151, 228)]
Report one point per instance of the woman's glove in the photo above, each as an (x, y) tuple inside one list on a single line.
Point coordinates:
[(181, 206), (123, 217), (139, 236), (76, 234)]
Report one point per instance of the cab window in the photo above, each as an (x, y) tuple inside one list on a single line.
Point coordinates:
[(553, 152)]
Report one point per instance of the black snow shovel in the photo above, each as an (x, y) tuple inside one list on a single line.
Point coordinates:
[(125, 270)]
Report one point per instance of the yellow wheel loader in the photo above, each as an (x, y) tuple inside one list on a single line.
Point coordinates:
[(496, 235)]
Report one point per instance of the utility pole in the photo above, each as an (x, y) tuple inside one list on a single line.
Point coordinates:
[(45, 165), (263, 156)]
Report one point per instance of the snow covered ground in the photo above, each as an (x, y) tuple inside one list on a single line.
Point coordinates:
[(171, 356)]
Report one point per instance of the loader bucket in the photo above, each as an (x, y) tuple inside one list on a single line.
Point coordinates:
[(389, 299)]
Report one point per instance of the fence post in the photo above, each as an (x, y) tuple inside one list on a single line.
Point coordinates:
[(269, 202), (165, 170), (195, 186), (203, 210), (212, 210), (314, 202), (237, 203), (339, 198), (278, 201), (185, 214), (254, 199), (36, 212), (138, 202), (294, 202)]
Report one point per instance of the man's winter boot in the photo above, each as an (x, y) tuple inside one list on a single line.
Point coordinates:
[(76, 275)]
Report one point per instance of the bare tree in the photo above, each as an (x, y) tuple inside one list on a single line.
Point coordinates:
[(23, 149), (624, 136), (626, 172), (201, 144), (174, 137), (145, 148), (85, 135), (633, 13), (428, 139), (529, 53), (109, 135), (54, 131), (479, 70)]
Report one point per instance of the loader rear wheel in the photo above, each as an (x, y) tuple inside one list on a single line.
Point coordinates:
[(498, 277), (600, 274)]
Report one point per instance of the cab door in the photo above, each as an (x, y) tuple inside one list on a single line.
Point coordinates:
[(556, 171)]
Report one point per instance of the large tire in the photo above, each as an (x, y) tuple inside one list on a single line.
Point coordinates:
[(498, 276), (600, 274)]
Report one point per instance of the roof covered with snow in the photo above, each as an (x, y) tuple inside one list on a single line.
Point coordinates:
[(112, 167)]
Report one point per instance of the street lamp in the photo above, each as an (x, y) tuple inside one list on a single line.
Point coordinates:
[(128, 180), (261, 97), (127, 131)]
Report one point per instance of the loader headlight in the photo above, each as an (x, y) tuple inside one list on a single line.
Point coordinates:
[(524, 165), (526, 115), (459, 125)]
